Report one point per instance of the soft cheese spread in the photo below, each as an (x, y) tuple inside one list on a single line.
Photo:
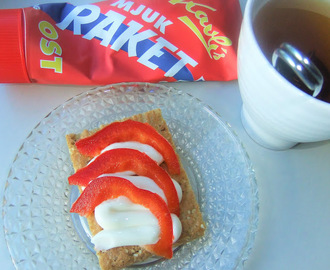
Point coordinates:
[(125, 223)]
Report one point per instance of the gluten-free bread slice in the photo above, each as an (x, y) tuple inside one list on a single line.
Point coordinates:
[(191, 218)]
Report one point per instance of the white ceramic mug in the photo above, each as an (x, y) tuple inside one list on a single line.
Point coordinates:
[(275, 113)]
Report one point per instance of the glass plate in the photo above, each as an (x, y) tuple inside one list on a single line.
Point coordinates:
[(39, 228)]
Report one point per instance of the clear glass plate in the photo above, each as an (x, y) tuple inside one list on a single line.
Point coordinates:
[(39, 228)]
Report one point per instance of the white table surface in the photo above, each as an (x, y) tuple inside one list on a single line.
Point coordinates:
[(294, 185)]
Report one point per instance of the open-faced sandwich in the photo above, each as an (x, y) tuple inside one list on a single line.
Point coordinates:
[(135, 193)]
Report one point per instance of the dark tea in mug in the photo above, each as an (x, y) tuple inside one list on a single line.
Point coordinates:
[(305, 24)]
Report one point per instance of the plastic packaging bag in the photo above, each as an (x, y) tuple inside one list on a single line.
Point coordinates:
[(120, 41)]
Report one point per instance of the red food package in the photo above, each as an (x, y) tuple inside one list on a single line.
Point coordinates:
[(120, 41)]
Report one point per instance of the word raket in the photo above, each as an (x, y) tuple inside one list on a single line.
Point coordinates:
[(87, 20)]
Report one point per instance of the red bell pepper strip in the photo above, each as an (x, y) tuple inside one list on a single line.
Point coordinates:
[(120, 160), (130, 130), (110, 187)]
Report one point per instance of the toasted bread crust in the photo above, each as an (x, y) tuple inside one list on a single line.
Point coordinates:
[(191, 218)]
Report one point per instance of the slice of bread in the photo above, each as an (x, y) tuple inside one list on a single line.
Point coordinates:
[(191, 218)]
